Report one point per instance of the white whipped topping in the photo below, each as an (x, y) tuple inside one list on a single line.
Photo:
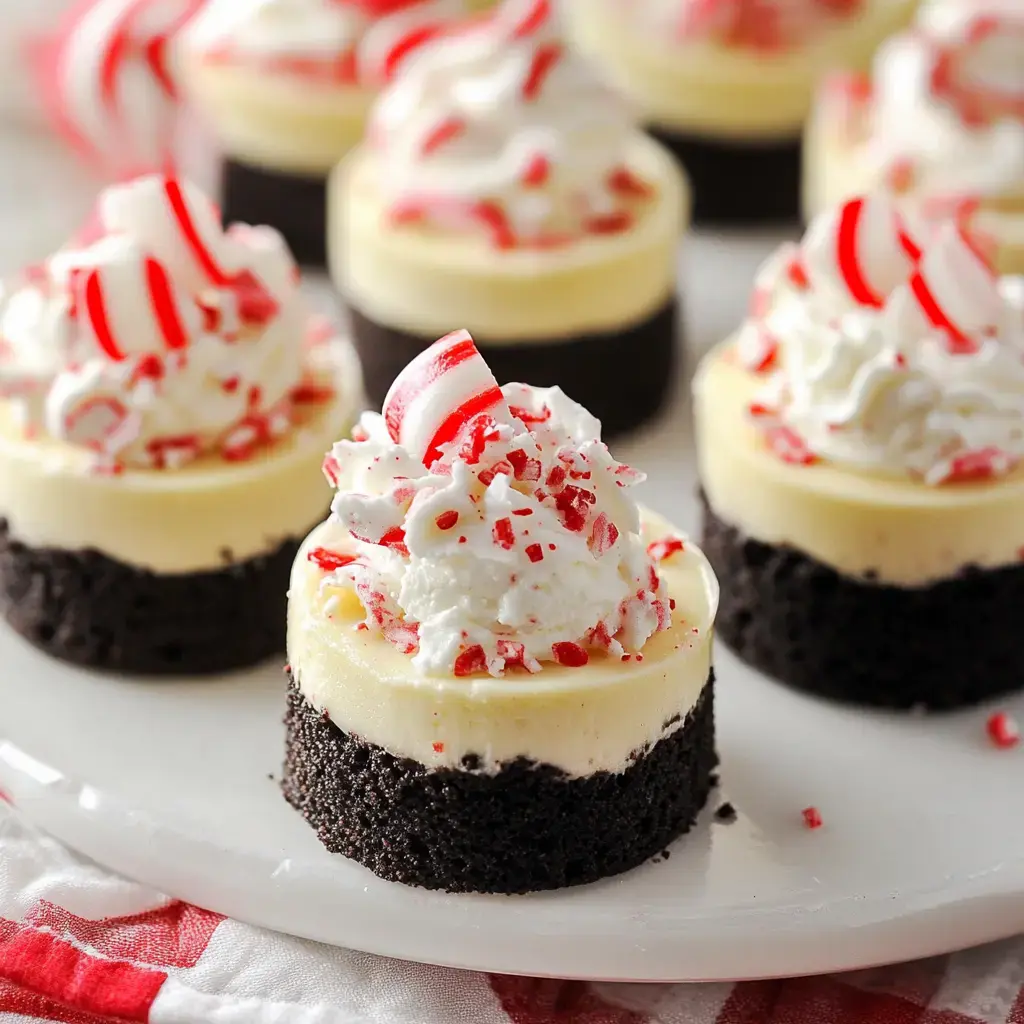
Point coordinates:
[(346, 42), (886, 357), (499, 129), (947, 112), (519, 545), (765, 25), (162, 337)]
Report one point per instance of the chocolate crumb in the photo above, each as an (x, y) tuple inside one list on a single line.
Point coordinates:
[(726, 813)]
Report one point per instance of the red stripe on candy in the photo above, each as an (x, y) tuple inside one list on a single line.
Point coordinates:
[(534, 19), (96, 310), (405, 46), (450, 128), (203, 256), (444, 360), (165, 309), (42, 964), (960, 343), (849, 261), (455, 421), (543, 63)]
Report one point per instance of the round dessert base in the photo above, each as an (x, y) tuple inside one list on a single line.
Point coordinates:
[(525, 828), (623, 377), (951, 644), (294, 204), (89, 609), (738, 183)]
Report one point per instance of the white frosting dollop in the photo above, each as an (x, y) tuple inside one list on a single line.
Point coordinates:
[(761, 25), (889, 354), (946, 117), (333, 41), (500, 129), (159, 336), (519, 545)]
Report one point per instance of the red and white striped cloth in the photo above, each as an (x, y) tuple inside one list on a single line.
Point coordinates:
[(81, 946)]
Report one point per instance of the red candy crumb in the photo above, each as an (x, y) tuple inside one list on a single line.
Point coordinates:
[(522, 511), (1003, 730), (610, 223), (626, 183), (447, 520), (572, 502), (503, 534), (789, 446), (661, 550), (471, 660), (603, 535), (536, 172), (534, 552), (328, 560), (395, 539), (523, 467), (569, 654), (812, 817), (438, 748)]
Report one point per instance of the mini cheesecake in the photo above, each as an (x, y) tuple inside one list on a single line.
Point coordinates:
[(542, 219), (939, 124), (286, 87), (859, 448), (728, 87), (165, 404), (500, 668)]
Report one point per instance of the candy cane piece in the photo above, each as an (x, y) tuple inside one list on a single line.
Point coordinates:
[(955, 291), (860, 248), (396, 35), (175, 221), (438, 394), (94, 419), (127, 304)]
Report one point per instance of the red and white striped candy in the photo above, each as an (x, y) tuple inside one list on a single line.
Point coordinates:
[(438, 394), (861, 249), (127, 304), (954, 290), (177, 223), (389, 42), (101, 422)]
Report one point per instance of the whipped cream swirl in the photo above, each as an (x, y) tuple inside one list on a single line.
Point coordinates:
[(158, 336), (761, 25), (492, 528), (339, 42), (498, 129), (889, 353), (945, 115)]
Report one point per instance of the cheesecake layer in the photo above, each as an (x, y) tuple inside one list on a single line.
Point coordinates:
[(273, 121), (199, 517), (895, 530), (422, 281), (836, 169), (523, 828), (940, 646), (705, 88), (578, 720)]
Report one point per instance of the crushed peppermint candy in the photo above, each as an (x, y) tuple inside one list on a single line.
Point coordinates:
[(163, 337), (547, 563), (503, 159), (811, 817), (888, 349), (1003, 730)]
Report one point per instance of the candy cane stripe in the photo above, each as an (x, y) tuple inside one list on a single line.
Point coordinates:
[(455, 421), (849, 259), (165, 308), (183, 217), (543, 63), (534, 19), (936, 315), (96, 310)]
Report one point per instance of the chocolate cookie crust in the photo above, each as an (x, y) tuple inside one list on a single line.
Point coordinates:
[(623, 377), (294, 204), (737, 183), (943, 646), (89, 609), (526, 828)]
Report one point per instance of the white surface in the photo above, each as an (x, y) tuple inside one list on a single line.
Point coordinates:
[(922, 849)]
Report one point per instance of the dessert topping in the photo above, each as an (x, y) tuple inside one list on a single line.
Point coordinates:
[(161, 336), (1003, 730), (894, 350), (547, 563), (499, 129)]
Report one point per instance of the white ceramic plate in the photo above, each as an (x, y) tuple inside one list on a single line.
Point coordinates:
[(174, 783)]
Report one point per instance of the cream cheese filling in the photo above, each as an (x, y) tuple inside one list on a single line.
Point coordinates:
[(722, 91), (426, 282), (836, 168), (580, 720), (905, 532), (192, 519)]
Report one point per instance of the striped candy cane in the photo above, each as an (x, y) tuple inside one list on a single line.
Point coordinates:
[(399, 32), (861, 248), (438, 394)]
